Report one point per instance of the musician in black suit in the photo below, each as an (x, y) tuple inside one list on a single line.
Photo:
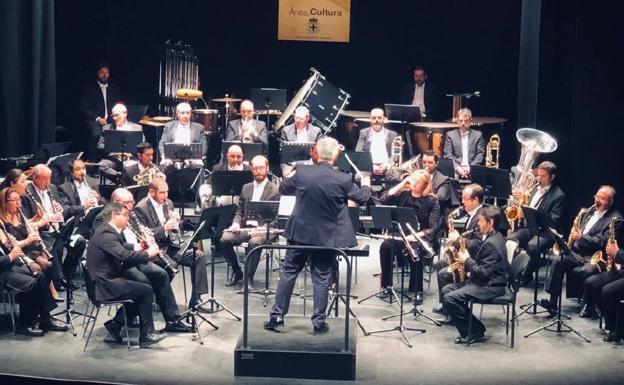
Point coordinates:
[(423, 94), (377, 140), (486, 270), (549, 199), (472, 205), (320, 218), (156, 212), (299, 131), (182, 130), (145, 155), (464, 145), (592, 236), (441, 184), (247, 129), (96, 103), (261, 189), (413, 191), (107, 259)]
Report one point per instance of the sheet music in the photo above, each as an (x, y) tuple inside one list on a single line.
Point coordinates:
[(286, 206)]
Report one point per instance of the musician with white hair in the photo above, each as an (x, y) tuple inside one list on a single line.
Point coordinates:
[(247, 129), (300, 131), (183, 131)]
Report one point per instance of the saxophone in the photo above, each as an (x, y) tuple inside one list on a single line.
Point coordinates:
[(576, 226), (513, 212), (600, 259), (457, 266)]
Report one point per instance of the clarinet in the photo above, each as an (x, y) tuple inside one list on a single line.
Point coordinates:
[(30, 228), (22, 257), (145, 234)]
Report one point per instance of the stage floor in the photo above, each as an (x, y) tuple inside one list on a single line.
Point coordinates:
[(544, 358)]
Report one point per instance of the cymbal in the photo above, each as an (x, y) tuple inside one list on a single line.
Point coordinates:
[(356, 114), (188, 94), (367, 120), (162, 118), (435, 125), (271, 112), (226, 99)]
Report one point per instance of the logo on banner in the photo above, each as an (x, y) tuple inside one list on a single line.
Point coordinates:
[(314, 20), (313, 26)]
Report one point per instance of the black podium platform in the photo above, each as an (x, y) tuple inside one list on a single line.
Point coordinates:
[(296, 352)]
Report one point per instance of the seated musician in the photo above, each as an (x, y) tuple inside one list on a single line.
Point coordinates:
[(149, 272), (547, 198), (182, 131), (156, 212), (414, 191), (261, 189), (606, 290), (18, 272), (111, 166), (464, 145), (107, 257), (441, 184), (377, 140), (144, 169), (43, 199), (299, 131), (234, 162), (591, 236), (486, 271), (472, 205), (247, 129)]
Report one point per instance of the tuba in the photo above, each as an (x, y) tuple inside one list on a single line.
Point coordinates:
[(492, 152), (533, 143)]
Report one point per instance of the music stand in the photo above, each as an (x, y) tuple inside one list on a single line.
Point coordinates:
[(85, 224), (406, 114), (445, 167), (249, 149), (293, 151), (362, 159), (138, 192), (183, 151), (265, 212), (61, 164), (124, 142), (536, 221), (270, 98), (565, 250), (495, 182), (192, 312), (230, 182)]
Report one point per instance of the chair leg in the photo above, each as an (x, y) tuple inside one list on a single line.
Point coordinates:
[(481, 312), (11, 296), (513, 317), (470, 305), (125, 314), (91, 330), (88, 317), (507, 321)]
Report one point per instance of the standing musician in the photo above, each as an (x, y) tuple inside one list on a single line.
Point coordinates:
[(156, 212), (299, 131), (377, 140), (606, 290), (413, 191), (183, 131), (247, 129), (320, 218), (464, 145), (423, 94), (589, 237), (549, 199), (144, 164), (261, 189), (472, 205), (25, 277), (487, 271), (107, 258)]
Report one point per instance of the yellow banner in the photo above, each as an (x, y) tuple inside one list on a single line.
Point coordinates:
[(314, 20)]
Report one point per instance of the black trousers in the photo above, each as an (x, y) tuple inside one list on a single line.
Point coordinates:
[(230, 239), (34, 294), (529, 242), (200, 276), (606, 290), (143, 297), (387, 251), (455, 297), (321, 263), (155, 276), (577, 270)]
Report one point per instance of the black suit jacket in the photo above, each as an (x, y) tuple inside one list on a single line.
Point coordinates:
[(92, 101), (29, 206), (489, 266), (596, 238), (320, 216), (432, 98), (70, 200), (146, 213), (453, 147), (270, 193), (441, 187), (107, 258), (552, 202), (233, 131)]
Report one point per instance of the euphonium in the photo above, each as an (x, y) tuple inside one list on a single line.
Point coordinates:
[(492, 152), (396, 156), (513, 212), (576, 226)]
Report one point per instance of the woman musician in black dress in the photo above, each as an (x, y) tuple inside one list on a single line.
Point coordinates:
[(413, 191)]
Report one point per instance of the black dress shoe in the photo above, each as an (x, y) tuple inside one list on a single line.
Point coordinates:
[(321, 328), (51, 325), (588, 311), (418, 300), (274, 323), (178, 327), (114, 330), (151, 339), (445, 320), (610, 337), (473, 339), (236, 277), (547, 304), (29, 330)]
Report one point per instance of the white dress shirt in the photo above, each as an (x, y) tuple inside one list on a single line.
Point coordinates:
[(45, 200), (84, 192), (378, 150), (159, 210), (183, 134), (258, 189), (302, 135), (103, 88), (419, 98), (592, 220), (464, 144), (539, 194)]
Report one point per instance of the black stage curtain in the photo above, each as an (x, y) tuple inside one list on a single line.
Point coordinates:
[(27, 79)]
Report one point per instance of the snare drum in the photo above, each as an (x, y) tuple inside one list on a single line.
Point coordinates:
[(209, 118)]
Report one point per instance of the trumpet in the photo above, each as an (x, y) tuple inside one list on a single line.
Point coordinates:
[(357, 170), (246, 134)]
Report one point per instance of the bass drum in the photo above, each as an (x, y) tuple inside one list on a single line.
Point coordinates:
[(208, 118), (324, 100)]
